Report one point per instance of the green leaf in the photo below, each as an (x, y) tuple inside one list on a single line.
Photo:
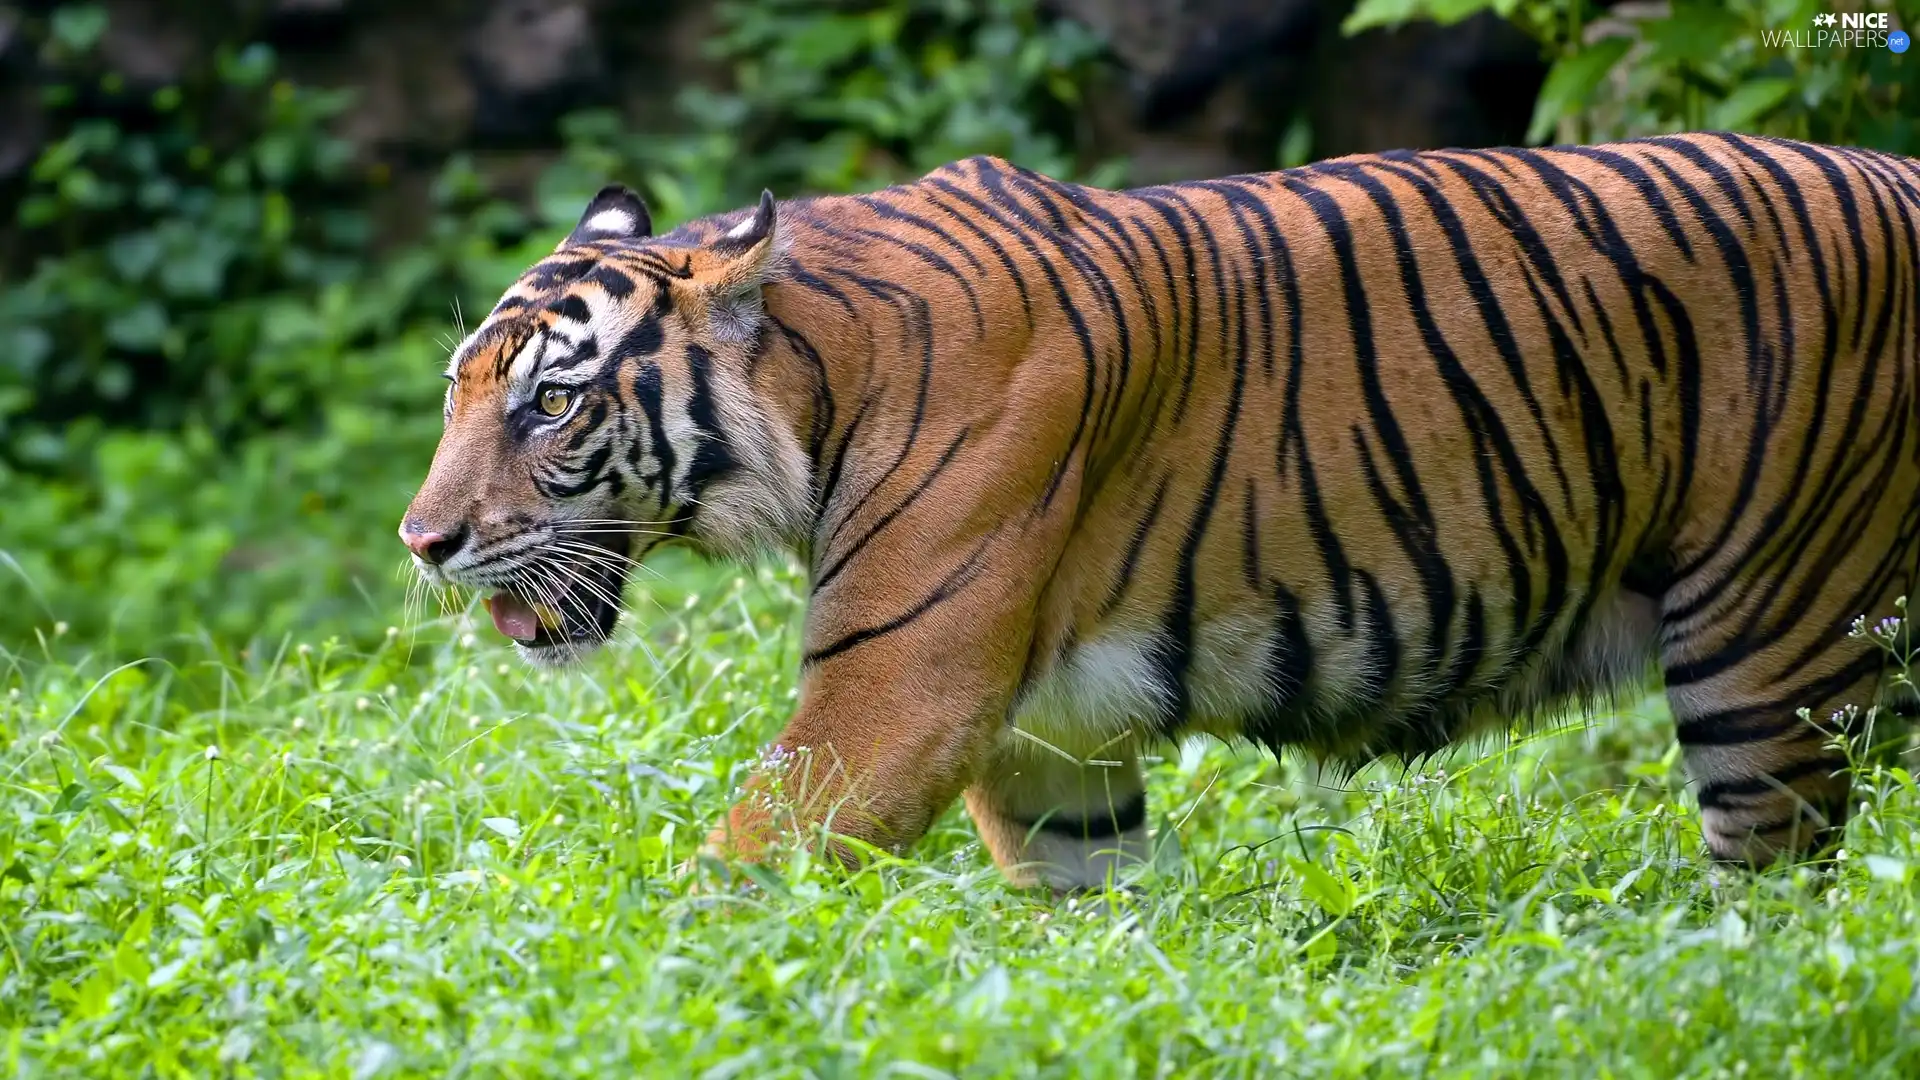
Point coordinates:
[(130, 962), (78, 26), (73, 799), (1571, 81), (1884, 868), (1368, 14), (127, 777), (1335, 895), (93, 995), (1696, 33), (140, 327), (1748, 103), (1448, 12), (506, 827), (1296, 146), (134, 254)]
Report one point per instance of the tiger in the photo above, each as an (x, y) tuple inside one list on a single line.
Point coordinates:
[(1352, 461)]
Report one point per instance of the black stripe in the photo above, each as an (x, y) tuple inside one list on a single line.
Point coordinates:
[(959, 578), (1173, 652), (650, 393), (1082, 333), (832, 569), (823, 400), (1758, 723), (712, 453), (551, 273), (617, 284), (1138, 541), (1721, 794), (927, 256), (916, 325), (1126, 817), (572, 308), (1289, 666)]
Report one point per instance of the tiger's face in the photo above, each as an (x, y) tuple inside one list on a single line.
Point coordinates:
[(600, 411)]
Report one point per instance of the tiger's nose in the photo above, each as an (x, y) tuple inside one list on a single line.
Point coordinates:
[(434, 547)]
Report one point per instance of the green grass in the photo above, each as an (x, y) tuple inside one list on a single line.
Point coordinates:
[(429, 860)]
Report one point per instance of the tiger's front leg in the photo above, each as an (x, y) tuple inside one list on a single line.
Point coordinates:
[(917, 636)]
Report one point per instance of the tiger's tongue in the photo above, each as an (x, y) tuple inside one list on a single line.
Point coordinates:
[(513, 616)]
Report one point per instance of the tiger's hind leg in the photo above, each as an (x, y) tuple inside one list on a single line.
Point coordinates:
[(1051, 818), (1741, 669)]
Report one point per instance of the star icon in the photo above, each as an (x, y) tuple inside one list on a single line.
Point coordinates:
[(1825, 19)]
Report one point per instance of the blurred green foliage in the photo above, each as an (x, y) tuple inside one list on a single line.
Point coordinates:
[(167, 250), (216, 396), (1741, 65), (835, 97)]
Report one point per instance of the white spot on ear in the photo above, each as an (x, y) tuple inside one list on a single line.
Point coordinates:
[(610, 221), (745, 227)]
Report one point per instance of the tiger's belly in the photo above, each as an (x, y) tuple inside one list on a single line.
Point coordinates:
[(1313, 686)]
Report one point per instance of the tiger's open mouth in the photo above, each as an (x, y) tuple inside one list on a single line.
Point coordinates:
[(568, 601)]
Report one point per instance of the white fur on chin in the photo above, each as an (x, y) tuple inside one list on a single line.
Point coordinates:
[(560, 657)]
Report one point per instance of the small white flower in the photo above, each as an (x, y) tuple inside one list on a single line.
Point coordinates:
[(212, 753)]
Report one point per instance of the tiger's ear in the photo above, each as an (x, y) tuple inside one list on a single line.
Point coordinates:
[(725, 276), (616, 213)]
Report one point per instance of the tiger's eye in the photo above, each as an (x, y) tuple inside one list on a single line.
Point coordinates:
[(555, 399)]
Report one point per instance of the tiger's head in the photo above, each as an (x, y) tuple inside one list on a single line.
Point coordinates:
[(602, 409)]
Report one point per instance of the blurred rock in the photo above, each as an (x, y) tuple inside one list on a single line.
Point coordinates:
[(1425, 86), (21, 121), (530, 61), (1209, 87), (146, 45)]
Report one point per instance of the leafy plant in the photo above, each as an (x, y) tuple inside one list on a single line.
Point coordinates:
[(1748, 65), (833, 97), (157, 243)]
